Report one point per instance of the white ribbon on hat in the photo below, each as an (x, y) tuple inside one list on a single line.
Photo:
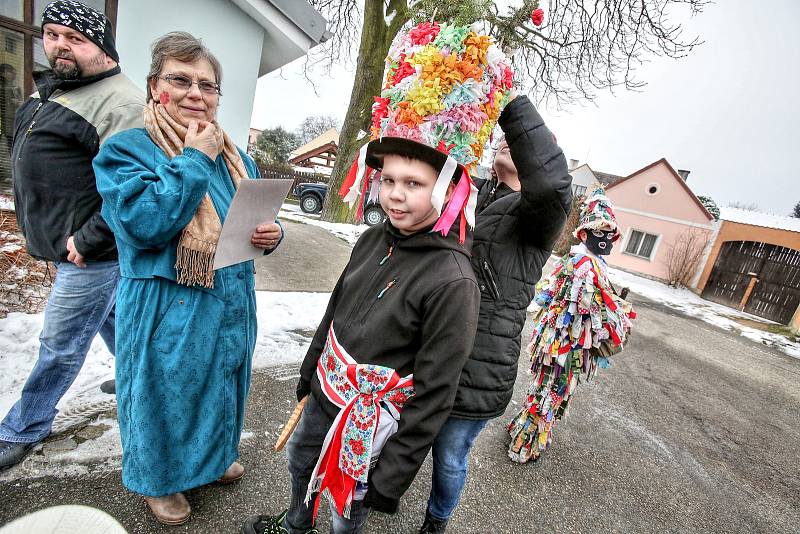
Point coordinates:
[(442, 182), (472, 205), (355, 190)]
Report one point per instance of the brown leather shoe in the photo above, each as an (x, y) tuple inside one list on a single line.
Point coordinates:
[(232, 474), (171, 509)]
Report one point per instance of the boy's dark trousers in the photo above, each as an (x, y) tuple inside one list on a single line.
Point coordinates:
[(303, 450)]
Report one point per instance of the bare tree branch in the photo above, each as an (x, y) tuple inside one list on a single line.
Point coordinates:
[(584, 47)]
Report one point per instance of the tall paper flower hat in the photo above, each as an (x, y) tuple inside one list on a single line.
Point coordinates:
[(597, 213), (444, 87)]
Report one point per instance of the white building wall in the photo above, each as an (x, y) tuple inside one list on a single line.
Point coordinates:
[(232, 36), (583, 180), (584, 176)]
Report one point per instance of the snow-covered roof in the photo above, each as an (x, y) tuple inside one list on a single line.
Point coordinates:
[(755, 218), (328, 136)]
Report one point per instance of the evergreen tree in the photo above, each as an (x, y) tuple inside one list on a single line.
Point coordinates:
[(273, 146)]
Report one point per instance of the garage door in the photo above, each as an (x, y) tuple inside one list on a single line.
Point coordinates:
[(775, 296)]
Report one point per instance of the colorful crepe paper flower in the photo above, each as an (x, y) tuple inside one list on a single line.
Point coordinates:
[(403, 70), (452, 37), (424, 33), (537, 16)]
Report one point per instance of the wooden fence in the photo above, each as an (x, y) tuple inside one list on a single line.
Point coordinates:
[(297, 176)]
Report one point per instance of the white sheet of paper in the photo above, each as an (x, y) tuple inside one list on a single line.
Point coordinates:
[(255, 202)]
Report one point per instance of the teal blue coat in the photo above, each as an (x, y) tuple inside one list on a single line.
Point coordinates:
[(183, 354)]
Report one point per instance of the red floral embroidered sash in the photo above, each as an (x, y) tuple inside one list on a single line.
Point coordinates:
[(357, 434)]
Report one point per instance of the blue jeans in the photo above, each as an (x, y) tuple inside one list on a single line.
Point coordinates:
[(450, 450), (303, 450), (80, 305)]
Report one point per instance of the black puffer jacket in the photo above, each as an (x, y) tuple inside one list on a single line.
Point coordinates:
[(514, 235)]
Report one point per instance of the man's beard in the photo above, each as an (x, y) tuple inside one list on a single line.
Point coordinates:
[(72, 71), (65, 71)]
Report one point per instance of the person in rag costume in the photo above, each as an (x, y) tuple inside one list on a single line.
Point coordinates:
[(185, 332), (581, 322)]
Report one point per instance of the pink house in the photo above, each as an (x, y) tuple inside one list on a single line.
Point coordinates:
[(655, 210)]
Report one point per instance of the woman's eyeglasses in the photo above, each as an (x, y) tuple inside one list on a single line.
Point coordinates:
[(182, 82)]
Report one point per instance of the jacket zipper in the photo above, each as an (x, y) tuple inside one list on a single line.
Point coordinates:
[(366, 291), (389, 286), (29, 130), (490, 281)]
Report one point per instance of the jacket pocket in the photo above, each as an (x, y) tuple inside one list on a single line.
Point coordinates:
[(490, 283), (173, 322)]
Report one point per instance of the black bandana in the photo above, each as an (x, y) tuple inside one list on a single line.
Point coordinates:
[(599, 242), (82, 18)]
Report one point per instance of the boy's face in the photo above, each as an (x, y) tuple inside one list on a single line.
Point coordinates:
[(405, 194)]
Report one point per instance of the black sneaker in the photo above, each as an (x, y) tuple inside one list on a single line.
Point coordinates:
[(109, 387), (268, 524), (12, 453), (432, 525)]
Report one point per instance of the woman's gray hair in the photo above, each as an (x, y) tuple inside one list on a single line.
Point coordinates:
[(182, 46)]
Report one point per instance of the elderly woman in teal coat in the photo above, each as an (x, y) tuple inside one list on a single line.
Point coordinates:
[(185, 333)]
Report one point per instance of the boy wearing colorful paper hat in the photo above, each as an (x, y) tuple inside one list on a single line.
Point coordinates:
[(580, 324), (382, 370)]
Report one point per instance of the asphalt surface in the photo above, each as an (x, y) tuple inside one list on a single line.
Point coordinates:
[(691, 429), (308, 259)]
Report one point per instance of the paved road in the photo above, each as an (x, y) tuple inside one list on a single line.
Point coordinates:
[(308, 259), (692, 429)]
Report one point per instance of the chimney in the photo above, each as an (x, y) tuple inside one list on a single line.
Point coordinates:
[(684, 174), (573, 164)]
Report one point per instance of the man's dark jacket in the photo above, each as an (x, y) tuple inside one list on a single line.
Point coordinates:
[(514, 235), (57, 133), (423, 324)]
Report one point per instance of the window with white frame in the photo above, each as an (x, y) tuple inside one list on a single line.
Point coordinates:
[(641, 244), (579, 190)]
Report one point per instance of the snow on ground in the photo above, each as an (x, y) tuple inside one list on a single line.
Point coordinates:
[(691, 304), (286, 323), (678, 299), (6, 203), (19, 348), (348, 232)]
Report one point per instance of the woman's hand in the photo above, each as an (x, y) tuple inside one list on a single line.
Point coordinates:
[(202, 136), (267, 236)]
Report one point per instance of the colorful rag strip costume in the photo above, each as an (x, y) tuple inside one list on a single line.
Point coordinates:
[(580, 323), (370, 398)]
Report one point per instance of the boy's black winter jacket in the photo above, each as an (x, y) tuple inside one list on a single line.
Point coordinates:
[(423, 324), (514, 235), (58, 132)]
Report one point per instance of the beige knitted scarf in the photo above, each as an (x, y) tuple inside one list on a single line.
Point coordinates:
[(198, 241)]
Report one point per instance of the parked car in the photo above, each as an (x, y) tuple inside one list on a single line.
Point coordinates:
[(312, 197)]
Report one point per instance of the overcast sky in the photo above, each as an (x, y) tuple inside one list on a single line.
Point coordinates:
[(729, 112)]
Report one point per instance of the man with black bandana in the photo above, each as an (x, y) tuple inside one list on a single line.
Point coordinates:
[(83, 100)]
